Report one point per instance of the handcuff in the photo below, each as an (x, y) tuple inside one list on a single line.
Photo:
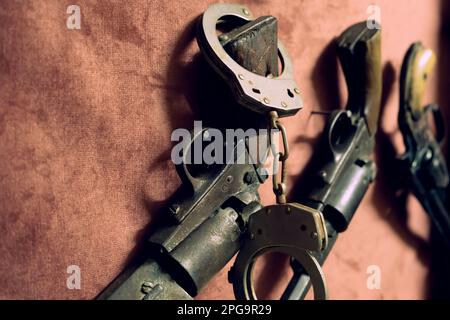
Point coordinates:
[(289, 228)]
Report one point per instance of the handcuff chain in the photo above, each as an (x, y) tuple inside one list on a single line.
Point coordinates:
[(279, 188)]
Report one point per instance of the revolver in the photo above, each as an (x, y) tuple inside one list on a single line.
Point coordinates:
[(200, 235), (423, 163), (343, 168)]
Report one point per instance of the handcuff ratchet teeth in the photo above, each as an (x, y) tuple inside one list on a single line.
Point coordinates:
[(292, 229), (258, 93)]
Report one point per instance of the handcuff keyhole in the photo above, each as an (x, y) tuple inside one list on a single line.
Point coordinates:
[(303, 227)]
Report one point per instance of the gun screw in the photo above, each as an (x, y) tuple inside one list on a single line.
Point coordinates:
[(245, 11), (147, 287), (297, 91), (151, 291), (323, 175), (249, 178), (223, 37), (314, 235)]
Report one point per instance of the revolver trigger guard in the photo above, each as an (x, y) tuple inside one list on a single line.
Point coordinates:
[(340, 130), (182, 168), (258, 93), (292, 229)]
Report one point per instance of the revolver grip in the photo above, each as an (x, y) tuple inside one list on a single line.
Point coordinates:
[(417, 65), (359, 51)]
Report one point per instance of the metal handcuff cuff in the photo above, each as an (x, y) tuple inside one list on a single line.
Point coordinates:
[(289, 228)]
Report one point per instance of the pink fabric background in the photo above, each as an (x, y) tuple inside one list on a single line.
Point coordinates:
[(85, 123)]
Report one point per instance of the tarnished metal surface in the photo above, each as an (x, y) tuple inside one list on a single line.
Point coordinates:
[(209, 248), (254, 91), (147, 281), (195, 204)]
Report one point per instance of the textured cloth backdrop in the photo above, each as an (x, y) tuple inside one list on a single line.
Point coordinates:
[(85, 123)]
